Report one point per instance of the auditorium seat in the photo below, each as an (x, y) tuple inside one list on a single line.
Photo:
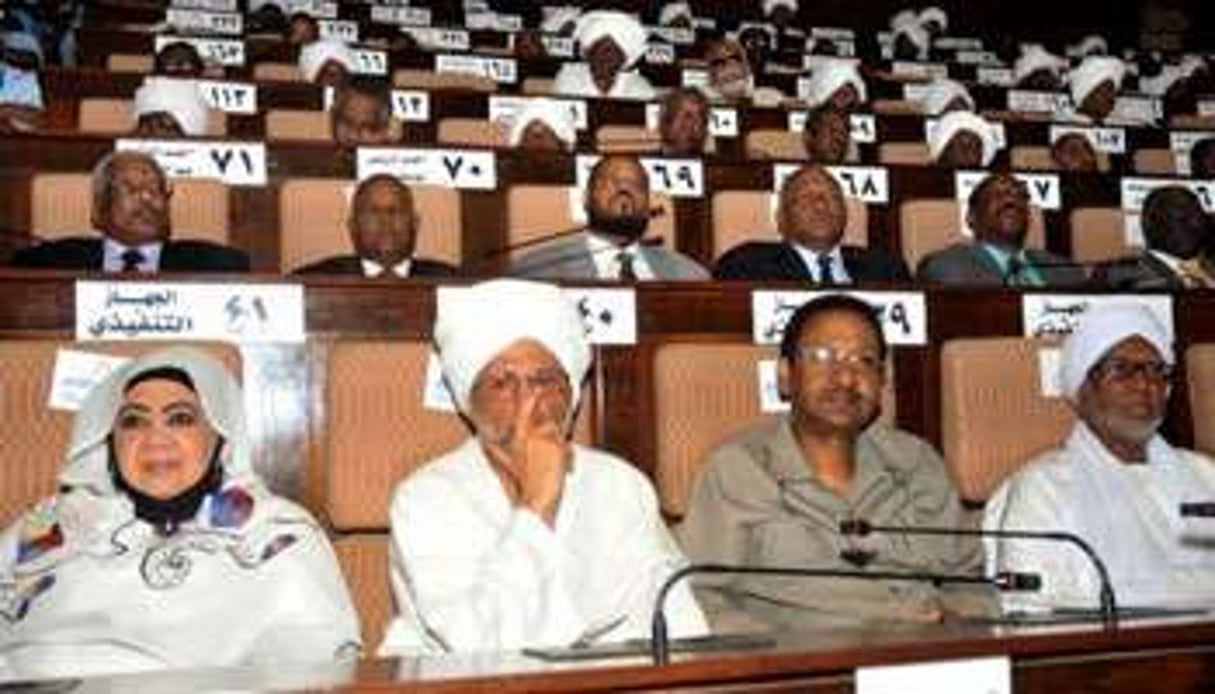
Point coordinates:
[(411, 78), (198, 209), (930, 225), (1036, 158), (537, 86), (750, 215), (364, 561), (130, 62), (1155, 161), (277, 72), (904, 154), (472, 132), (104, 116), (612, 139), (1098, 234), (994, 416), (765, 143), (298, 124), (1200, 370), (536, 210), (312, 221)]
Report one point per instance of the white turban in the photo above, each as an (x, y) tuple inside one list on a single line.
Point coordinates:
[(902, 19), (558, 18), (1091, 45), (1034, 58), (1100, 329), (475, 324), (1091, 73), (314, 56), (179, 98), (555, 114), (915, 33), (23, 42), (769, 6), (936, 15), (672, 11), (829, 76), (939, 94), (624, 30), (956, 121)]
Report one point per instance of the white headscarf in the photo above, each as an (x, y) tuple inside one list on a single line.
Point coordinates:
[(1100, 329), (555, 114), (941, 93), (672, 11), (829, 76), (475, 324), (1090, 45), (1034, 58), (915, 32), (934, 14), (558, 18), (314, 56), (623, 29), (179, 98), (1091, 73), (769, 6), (88, 451), (956, 121), (24, 42)]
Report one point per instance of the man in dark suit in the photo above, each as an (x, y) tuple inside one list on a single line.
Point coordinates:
[(131, 210), (383, 232), (811, 219), (999, 216), (1180, 243)]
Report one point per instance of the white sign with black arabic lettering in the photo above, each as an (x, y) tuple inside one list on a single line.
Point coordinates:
[(1044, 192), (862, 126), (558, 46), (904, 315), (506, 108), (209, 5), (226, 52), (994, 76), (338, 29), (1137, 109), (678, 178), (997, 130), (370, 62), (230, 97), (922, 71), (1108, 140), (230, 23), (409, 16), (1046, 315), (234, 163), (500, 70), (493, 21), (411, 105), (1037, 102), (452, 168), (227, 311), (692, 77), (678, 35), (608, 314), (321, 9), (722, 121), (660, 54), (440, 38), (869, 184)]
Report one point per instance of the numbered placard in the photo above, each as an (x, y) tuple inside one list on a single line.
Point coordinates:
[(1108, 140), (226, 52), (869, 184), (229, 23), (411, 105), (451, 168), (500, 70), (401, 15), (505, 109), (1047, 315), (678, 178), (1044, 192), (660, 54), (233, 163), (994, 76), (904, 315), (230, 97), (558, 46), (440, 38), (608, 314), (722, 121), (370, 62), (344, 30), (208, 5), (920, 71), (1037, 102)]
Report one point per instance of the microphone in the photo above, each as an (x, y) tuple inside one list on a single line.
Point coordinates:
[(1197, 509), (652, 213), (660, 644), (1108, 604)]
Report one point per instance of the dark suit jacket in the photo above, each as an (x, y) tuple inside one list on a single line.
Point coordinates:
[(966, 264), (85, 253), (352, 265), (765, 260), (1144, 271)]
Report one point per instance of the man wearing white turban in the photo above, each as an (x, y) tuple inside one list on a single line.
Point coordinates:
[(610, 42), (1094, 88), (519, 537), (962, 140), (1038, 68), (945, 95), (170, 107), (327, 62), (837, 82), (1114, 482), (545, 125)]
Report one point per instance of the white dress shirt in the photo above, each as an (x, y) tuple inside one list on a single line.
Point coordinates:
[(606, 256)]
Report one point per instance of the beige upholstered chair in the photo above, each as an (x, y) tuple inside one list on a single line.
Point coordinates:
[(904, 154), (472, 132), (104, 116), (364, 561), (748, 215), (535, 210), (298, 124), (930, 225), (1097, 234), (1150, 161), (1200, 368)]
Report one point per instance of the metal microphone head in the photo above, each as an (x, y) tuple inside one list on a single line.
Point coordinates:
[(855, 526), (1017, 581)]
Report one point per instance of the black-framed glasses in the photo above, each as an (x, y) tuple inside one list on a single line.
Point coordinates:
[(1119, 369)]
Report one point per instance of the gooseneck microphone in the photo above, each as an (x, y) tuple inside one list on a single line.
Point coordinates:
[(660, 645), (652, 213), (1108, 604)]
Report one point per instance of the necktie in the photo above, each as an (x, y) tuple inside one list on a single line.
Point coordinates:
[(131, 260), (1013, 271), (625, 264), (825, 276)]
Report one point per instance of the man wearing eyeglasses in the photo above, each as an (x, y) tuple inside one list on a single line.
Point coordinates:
[(776, 494), (1115, 481)]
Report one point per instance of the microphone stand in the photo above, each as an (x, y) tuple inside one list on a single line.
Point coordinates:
[(660, 644), (1108, 604)]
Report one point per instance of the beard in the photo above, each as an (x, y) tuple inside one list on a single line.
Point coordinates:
[(628, 227)]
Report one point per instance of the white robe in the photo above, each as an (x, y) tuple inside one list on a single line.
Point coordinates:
[(1128, 513), (474, 573), (574, 79)]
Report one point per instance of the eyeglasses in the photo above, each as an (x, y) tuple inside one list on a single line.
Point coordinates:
[(509, 382), (1117, 369), (829, 357), (722, 61)]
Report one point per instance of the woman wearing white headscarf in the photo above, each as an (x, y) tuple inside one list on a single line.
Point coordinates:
[(611, 43), (519, 537), (170, 107), (162, 548), (1114, 481)]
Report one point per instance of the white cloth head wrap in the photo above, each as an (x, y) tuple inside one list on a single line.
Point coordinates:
[(475, 324), (829, 76), (1090, 45), (936, 15), (903, 18), (769, 6), (1034, 58), (915, 33), (672, 11), (24, 42), (558, 18), (956, 121), (623, 29), (941, 93), (88, 452), (179, 98), (555, 114), (314, 56), (1091, 73), (1100, 329)]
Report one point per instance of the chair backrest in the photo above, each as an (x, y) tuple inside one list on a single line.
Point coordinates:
[(765, 143), (413, 78), (994, 415), (130, 62), (364, 561), (614, 138), (1191, 121), (896, 107), (472, 132), (312, 221), (537, 86), (298, 124), (1097, 234), (704, 393), (277, 72), (535, 210), (1200, 370), (904, 154), (1152, 161), (35, 437), (103, 116), (1036, 158), (748, 215), (198, 209), (930, 225), (377, 430)]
